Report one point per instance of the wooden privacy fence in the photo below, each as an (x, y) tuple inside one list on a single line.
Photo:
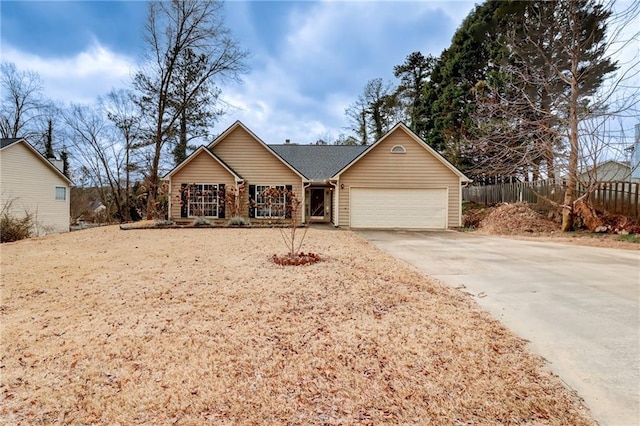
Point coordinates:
[(614, 197)]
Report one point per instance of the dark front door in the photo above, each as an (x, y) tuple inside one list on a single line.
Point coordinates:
[(317, 202)]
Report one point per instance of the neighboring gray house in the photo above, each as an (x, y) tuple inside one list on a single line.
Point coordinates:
[(607, 171), (31, 183)]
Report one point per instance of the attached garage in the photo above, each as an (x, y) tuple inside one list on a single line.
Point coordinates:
[(398, 208), (399, 182)]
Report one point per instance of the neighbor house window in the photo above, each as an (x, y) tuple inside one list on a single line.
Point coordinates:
[(61, 193), (271, 202), (202, 200)]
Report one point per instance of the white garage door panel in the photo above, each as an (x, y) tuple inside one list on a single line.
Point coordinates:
[(398, 208)]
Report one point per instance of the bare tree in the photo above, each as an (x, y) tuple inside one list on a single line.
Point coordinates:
[(356, 114), (549, 102), (383, 106), (375, 111), (22, 101), (172, 29), (121, 110), (101, 159)]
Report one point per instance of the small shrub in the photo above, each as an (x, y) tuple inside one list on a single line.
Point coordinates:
[(15, 229), (238, 221), (201, 221)]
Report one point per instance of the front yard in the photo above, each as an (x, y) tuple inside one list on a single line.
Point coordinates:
[(192, 326)]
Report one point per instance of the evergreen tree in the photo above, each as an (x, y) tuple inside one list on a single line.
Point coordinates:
[(195, 100), (449, 95), (48, 145), (64, 156), (414, 74)]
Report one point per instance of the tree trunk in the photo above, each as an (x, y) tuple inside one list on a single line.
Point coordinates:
[(570, 193), (153, 178), (127, 181)]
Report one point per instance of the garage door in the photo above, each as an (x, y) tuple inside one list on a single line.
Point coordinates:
[(398, 208)]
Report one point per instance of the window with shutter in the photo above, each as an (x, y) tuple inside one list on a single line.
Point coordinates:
[(270, 201), (200, 199)]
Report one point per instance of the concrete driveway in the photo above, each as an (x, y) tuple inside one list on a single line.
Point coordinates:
[(578, 306)]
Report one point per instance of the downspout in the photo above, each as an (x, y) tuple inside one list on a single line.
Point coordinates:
[(169, 215), (336, 216), (462, 185)]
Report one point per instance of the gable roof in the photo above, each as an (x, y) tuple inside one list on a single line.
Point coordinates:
[(5, 143), (237, 124), (318, 162), (403, 127), (8, 141), (95, 205), (194, 154), (621, 164)]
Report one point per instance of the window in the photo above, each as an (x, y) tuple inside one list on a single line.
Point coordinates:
[(271, 201), (202, 200), (61, 193), (398, 149)]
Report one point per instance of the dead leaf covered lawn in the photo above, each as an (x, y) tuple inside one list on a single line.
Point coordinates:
[(193, 326)]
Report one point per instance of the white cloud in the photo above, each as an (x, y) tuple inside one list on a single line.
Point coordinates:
[(80, 78), (327, 54), (301, 82)]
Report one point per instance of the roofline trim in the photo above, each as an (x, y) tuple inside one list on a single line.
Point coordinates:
[(43, 158), (415, 137), (237, 124), (15, 140), (193, 155)]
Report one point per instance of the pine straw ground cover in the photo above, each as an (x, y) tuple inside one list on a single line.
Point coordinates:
[(198, 326)]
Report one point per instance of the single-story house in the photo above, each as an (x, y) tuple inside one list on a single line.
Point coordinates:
[(30, 183), (397, 182)]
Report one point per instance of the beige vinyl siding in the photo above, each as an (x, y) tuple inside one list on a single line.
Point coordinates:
[(30, 185), (255, 163), (201, 169), (415, 169)]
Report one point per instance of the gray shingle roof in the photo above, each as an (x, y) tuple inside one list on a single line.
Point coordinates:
[(318, 162), (9, 141)]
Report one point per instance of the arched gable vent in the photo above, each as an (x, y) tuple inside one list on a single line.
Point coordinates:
[(398, 149)]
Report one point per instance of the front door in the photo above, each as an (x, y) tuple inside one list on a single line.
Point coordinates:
[(319, 204)]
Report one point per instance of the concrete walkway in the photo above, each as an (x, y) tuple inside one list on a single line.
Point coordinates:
[(578, 306)]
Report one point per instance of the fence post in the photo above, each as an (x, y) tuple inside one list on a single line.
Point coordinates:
[(637, 185)]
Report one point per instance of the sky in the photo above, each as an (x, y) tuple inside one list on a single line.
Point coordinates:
[(308, 60)]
